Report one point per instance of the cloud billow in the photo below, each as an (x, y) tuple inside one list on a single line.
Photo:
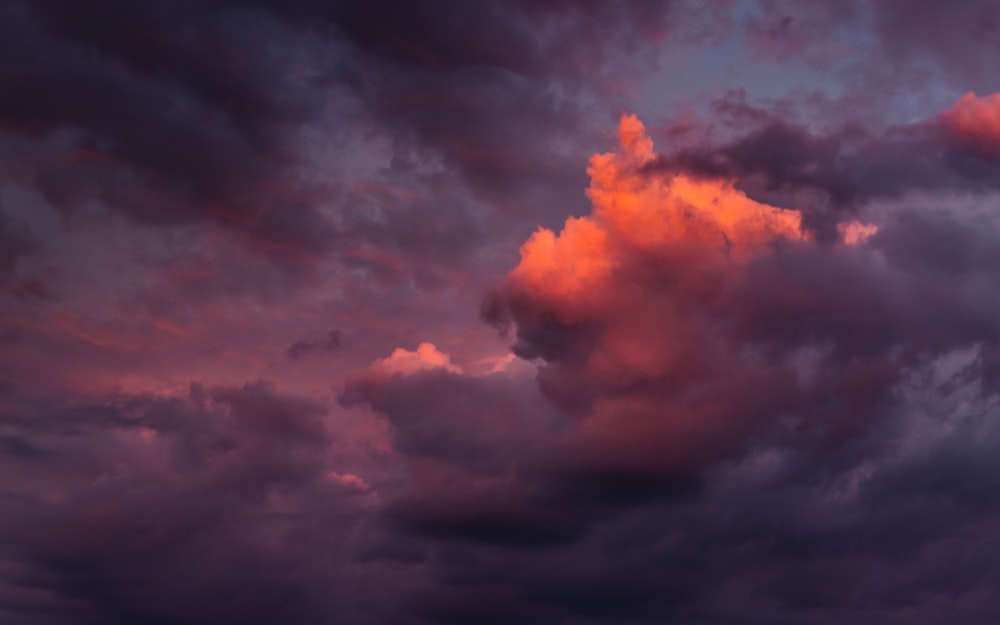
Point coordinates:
[(739, 398)]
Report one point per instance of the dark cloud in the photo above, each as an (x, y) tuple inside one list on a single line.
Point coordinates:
[(480, 83), (332, 342), (735, 400), (883, 48), (827, 174), (166, 113), (463, 438), (788, 532), (961, 39), (480, 424), (16, 241), (209, 508), (194, 111), (30, 289)]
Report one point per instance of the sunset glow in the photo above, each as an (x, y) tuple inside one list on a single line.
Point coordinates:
[(468, 312)]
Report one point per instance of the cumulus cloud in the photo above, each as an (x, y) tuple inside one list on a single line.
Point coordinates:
[(730, 392), (637, 312)]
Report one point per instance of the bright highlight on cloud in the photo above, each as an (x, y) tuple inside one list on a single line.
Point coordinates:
[(634, 213), (405, 362), (652, 212), (975, 122)]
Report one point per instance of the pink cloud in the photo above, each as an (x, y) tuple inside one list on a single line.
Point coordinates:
[(974, 122), (406, 362)]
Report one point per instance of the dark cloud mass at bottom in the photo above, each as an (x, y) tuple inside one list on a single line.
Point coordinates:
[(746, 375)]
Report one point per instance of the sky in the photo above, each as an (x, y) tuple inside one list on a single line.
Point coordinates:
[(561, 312)]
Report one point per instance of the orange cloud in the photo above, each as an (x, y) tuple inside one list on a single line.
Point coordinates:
[(663, 317), (635, 212), (975, 123)]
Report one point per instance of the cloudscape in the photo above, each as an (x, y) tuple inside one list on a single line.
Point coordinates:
[(448, 312)]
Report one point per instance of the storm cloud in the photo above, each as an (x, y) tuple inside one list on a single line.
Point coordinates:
[(563, 312)]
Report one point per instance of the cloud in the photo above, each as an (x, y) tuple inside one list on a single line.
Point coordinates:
[(975, 123), (752, 379), (864, 45), (681, 322), (177, 115), (405, 362), (231, 489), (825, 174), (15, 242), (443, 415), (350, 481), (729, 416), (148, 128), (620, 306), (332, 342), (777, 467), (678, 327), (957, 41), (719, 393)]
